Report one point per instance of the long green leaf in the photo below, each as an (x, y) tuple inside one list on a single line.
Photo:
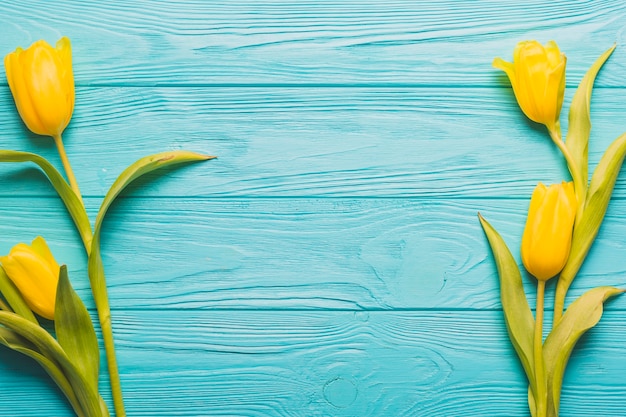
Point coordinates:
[(75, 331), (50, 348), (14, 297), (582, 315), (517, 314), (577, 140), (598, 198), (15, 342), (72, 202), (96, 267), (141, 167)]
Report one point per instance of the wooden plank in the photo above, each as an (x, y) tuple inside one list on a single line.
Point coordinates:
[(326, 142), (342, 363), (331, 42), (305, 253)]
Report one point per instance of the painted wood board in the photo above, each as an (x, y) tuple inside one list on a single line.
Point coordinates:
[(339, 363), (329, 262), (323, 142), (443, 43), (356, 254)]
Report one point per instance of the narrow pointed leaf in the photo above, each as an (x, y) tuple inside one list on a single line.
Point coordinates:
[(598, 198), (532, 404), (13, 341), (50, 348), (96, 268), (75, 331), (71, 201), (577, 140), (517, 314), (582, 315), (14, 298), (141, 167)]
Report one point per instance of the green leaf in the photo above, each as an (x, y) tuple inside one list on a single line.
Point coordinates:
[(96, 267), (598, 198), (51, 349), (577, 139), (517, 314), (141, 167), (14, 297), (72, 202), (532, 404), (75, 331), (582, 315), (15, 342)]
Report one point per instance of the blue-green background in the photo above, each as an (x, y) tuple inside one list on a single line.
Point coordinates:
[(330, 261)]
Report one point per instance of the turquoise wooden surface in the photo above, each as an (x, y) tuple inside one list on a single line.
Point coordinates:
[(329, 262)]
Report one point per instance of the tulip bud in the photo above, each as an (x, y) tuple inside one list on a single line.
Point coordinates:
[(537, 75), (35, 273), (42, 84), (547, 237)]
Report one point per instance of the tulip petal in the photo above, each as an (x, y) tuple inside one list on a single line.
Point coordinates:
[(548, 232), (43, 79), (537, 76), (64, 50), (40, 247), (33, 278), (42, 83), (23, 102)]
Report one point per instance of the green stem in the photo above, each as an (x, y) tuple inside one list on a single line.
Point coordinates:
[(100, 296), (68, 168), (579, 182), (540, 372), (581, 190), (104, 314)]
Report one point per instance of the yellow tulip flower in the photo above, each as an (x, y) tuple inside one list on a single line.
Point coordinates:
[(547, 237), (537, 75), (35, 273), (42, 83)]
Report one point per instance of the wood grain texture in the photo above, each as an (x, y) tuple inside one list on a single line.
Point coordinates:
[(329, 42), (330, 261), (322, 142), (276, 254), (290, 363)]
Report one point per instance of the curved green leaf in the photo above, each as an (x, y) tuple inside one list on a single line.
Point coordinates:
[(598, 198), (14, 297), (71, 201), (15, 342), (519, 319), (96, 268), (532, 404), (75, 331), (577, 139), (582, 315), (141, 167), (50, 348)]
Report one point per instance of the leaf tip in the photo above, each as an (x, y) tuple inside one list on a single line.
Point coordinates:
[(483, 221)]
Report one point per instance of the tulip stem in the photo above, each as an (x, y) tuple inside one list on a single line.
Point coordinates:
[(540, 373), (68, 168), (579, 182), (104, 314)]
